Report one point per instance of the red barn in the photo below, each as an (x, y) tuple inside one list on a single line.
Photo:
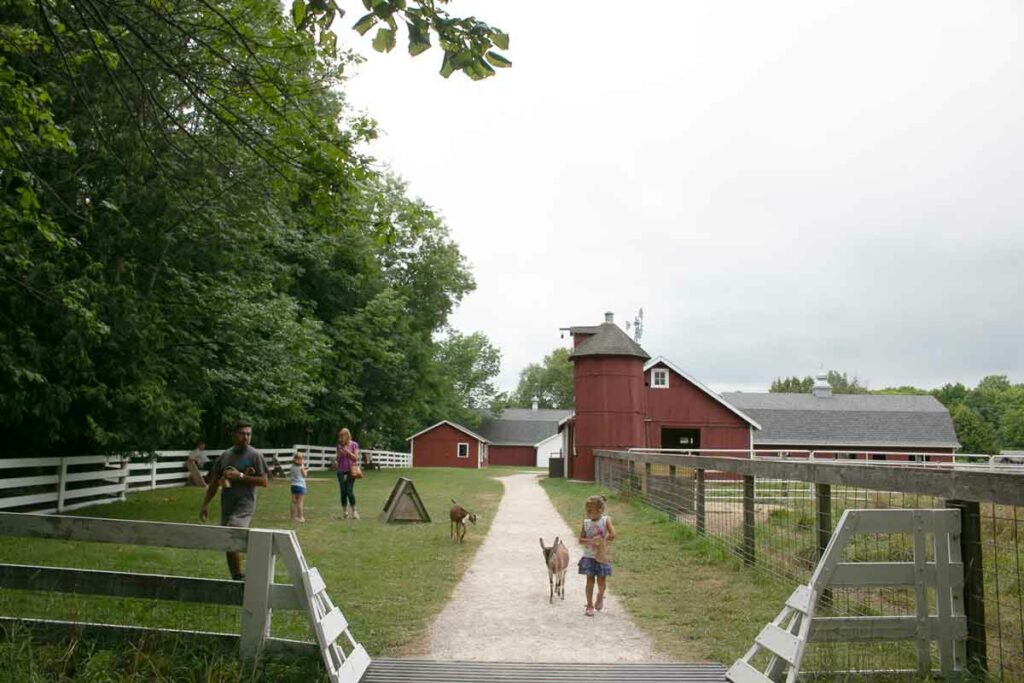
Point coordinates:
[(447, 444), (625, 400)]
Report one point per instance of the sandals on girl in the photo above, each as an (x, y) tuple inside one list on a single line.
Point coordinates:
[(599, 604), (589, 612)]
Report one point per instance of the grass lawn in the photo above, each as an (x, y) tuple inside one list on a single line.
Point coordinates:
[(688, 593), (388, 579)]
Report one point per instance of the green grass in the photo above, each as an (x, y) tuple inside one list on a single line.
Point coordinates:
[(687, 592), (388, 579), (151, 658)]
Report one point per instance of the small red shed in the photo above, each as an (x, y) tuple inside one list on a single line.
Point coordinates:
[(447, 444)]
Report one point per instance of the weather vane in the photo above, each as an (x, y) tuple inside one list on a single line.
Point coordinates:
[(638, 326)]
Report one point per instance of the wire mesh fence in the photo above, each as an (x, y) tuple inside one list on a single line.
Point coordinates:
[(781, 524)]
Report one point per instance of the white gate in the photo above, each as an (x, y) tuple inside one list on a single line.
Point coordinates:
[(936, 566)]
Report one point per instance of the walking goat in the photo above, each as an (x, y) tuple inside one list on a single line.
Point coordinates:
[(458, 516), (557, 559)]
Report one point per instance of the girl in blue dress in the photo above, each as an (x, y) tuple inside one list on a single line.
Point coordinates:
[(596, 563)]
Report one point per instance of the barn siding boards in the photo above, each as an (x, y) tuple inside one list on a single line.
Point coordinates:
[(522, 456), (687, 404), (609, 393)]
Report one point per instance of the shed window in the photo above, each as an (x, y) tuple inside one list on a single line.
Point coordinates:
[(463, 450), (659, 378)]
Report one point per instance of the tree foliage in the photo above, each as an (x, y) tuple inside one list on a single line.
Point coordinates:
[(550, 382), (841, 384), (188, 234), (469, 45), (467, 365), (974, 433)]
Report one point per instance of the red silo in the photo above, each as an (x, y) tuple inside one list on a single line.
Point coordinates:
[(608, 381)]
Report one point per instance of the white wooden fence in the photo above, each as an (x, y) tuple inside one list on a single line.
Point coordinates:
[(46, 485), (936, 574), (346, 660)]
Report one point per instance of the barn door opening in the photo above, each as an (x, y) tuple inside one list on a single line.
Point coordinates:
[(672, 437)]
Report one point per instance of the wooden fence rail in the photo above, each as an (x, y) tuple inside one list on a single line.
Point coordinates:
[(258, 596), (46, 485)]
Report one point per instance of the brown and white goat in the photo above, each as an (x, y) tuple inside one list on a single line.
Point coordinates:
[(458, 516), (557, 559)]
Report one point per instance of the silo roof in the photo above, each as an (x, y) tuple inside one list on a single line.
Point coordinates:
[(608, 340)]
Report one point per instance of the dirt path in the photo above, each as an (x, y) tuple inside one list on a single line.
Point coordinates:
[(500, 610)]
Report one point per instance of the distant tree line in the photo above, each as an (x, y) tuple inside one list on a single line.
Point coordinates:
[(191, 234), (988, 418)]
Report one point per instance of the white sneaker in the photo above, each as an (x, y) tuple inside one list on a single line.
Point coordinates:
[(355, 513)]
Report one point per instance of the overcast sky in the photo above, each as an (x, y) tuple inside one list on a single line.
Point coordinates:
[(781, 186)]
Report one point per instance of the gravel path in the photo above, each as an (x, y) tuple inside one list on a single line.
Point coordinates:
[(500, 609)]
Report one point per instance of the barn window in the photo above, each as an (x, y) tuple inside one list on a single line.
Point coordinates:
[(463, 450), (659, 378)]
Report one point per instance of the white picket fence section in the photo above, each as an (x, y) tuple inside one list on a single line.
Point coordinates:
[(47, 485)]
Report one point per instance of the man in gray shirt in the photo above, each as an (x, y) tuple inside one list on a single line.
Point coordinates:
[(244, 468)]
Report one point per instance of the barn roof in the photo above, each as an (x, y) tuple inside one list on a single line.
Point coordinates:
[(607, 339), (865, 420), (450, 424), (521, 426)]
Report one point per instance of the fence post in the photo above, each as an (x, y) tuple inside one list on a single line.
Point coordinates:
[(823, 501), (702, 528), (126, 471), (974, 583), (152, 473), (823, 497), (62, 475), (646, 477), (748, 521), (259, 574)]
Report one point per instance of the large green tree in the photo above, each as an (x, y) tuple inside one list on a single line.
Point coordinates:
[(188, 234), (974, 433), (549, 382), (467, 366)]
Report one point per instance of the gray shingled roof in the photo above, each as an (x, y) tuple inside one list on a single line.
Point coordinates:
[(609, 340), (848, 420), (520, 426)]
